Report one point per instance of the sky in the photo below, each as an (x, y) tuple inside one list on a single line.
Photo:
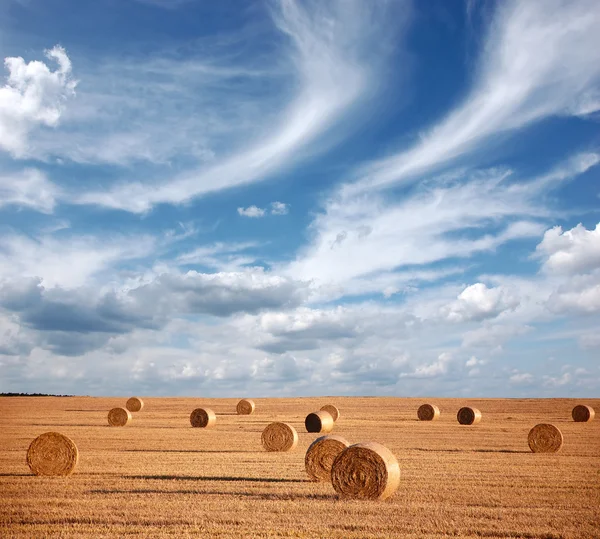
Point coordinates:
[(294, 197)]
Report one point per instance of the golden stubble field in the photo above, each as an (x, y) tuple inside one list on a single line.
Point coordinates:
[(159, 477)]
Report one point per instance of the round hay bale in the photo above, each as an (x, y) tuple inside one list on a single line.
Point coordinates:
[(321, 454), (52, 453), (203, 418), (279, 437), (545, 438), (365, 471), (119, 417), (333, 410), (428, 412), (468, 416), (320, 421), (245, 407), (582, 413), (134, 404)]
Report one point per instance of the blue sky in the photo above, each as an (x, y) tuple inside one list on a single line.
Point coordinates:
[(300, 198)]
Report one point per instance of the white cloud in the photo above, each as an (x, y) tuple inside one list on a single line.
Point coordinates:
[(521, 378), (570, 252), (33, 95), (279, 208), (581, 293), (251, 211), (478, 302), (29, 188), (557, 381)]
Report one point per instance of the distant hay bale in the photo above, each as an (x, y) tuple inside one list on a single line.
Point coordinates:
[(203, 418), (582, 413), (365, 471), (135, 404), (320, 421), (321, 454), (545, 438), (52, 453), (119, 417), (428, 412), (279, 437), (468, 416), (333, 410), (245, 407)]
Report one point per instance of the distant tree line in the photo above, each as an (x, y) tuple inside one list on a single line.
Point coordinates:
[(32, 395)]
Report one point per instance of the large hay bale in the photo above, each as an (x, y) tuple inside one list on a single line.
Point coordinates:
[(333, 410), (52, 453), (279, 437), (134, 404), (119, 417), (468, 416), (203, 418), (365, 471), (321, 454), (320, 421), (428, 412), (582, 413), (545, 438), (245, 407)]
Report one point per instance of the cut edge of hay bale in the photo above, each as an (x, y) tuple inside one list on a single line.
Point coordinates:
[(245, 407), (333, 410), (583, 413), (279, 436), (428, 412), (468, 415), (545, 438), (366, 471), (320, 421), (321, 454), (119, 417), (135, 404), (203, 418), (52, 454)]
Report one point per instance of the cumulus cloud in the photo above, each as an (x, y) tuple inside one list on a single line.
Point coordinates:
[(279, 208), (580, 294), (251, 211), (33, 95), (521, 378), (29, 188), (478, 302)]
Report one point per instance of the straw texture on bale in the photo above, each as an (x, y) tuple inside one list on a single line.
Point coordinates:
[(134, 404), (279, 437), (582, 413), (333, 410), (365, 471), (428, 412), (119, 417), (245, 407), (321, 454), (320, 421), (545, 438), (203, 418), (52, 453), (468, 416)]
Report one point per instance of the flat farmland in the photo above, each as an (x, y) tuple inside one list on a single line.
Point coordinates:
[(159, 477)]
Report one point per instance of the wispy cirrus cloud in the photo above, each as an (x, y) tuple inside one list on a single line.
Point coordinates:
[(29, 188)]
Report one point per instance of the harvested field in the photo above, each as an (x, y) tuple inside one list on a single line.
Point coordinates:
[(160, 477)]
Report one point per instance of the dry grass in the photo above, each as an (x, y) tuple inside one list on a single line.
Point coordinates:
[(162, 478)]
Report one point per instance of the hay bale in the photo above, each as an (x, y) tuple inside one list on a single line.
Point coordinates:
[(333, 410), (134, 404), (545, 438), (119, 417), (321, 454), (52, 453), (245, 407), (365, 471), (203, 418), (428, 412), (468, 416), (320, 421), (279, 437), (582, 413)]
